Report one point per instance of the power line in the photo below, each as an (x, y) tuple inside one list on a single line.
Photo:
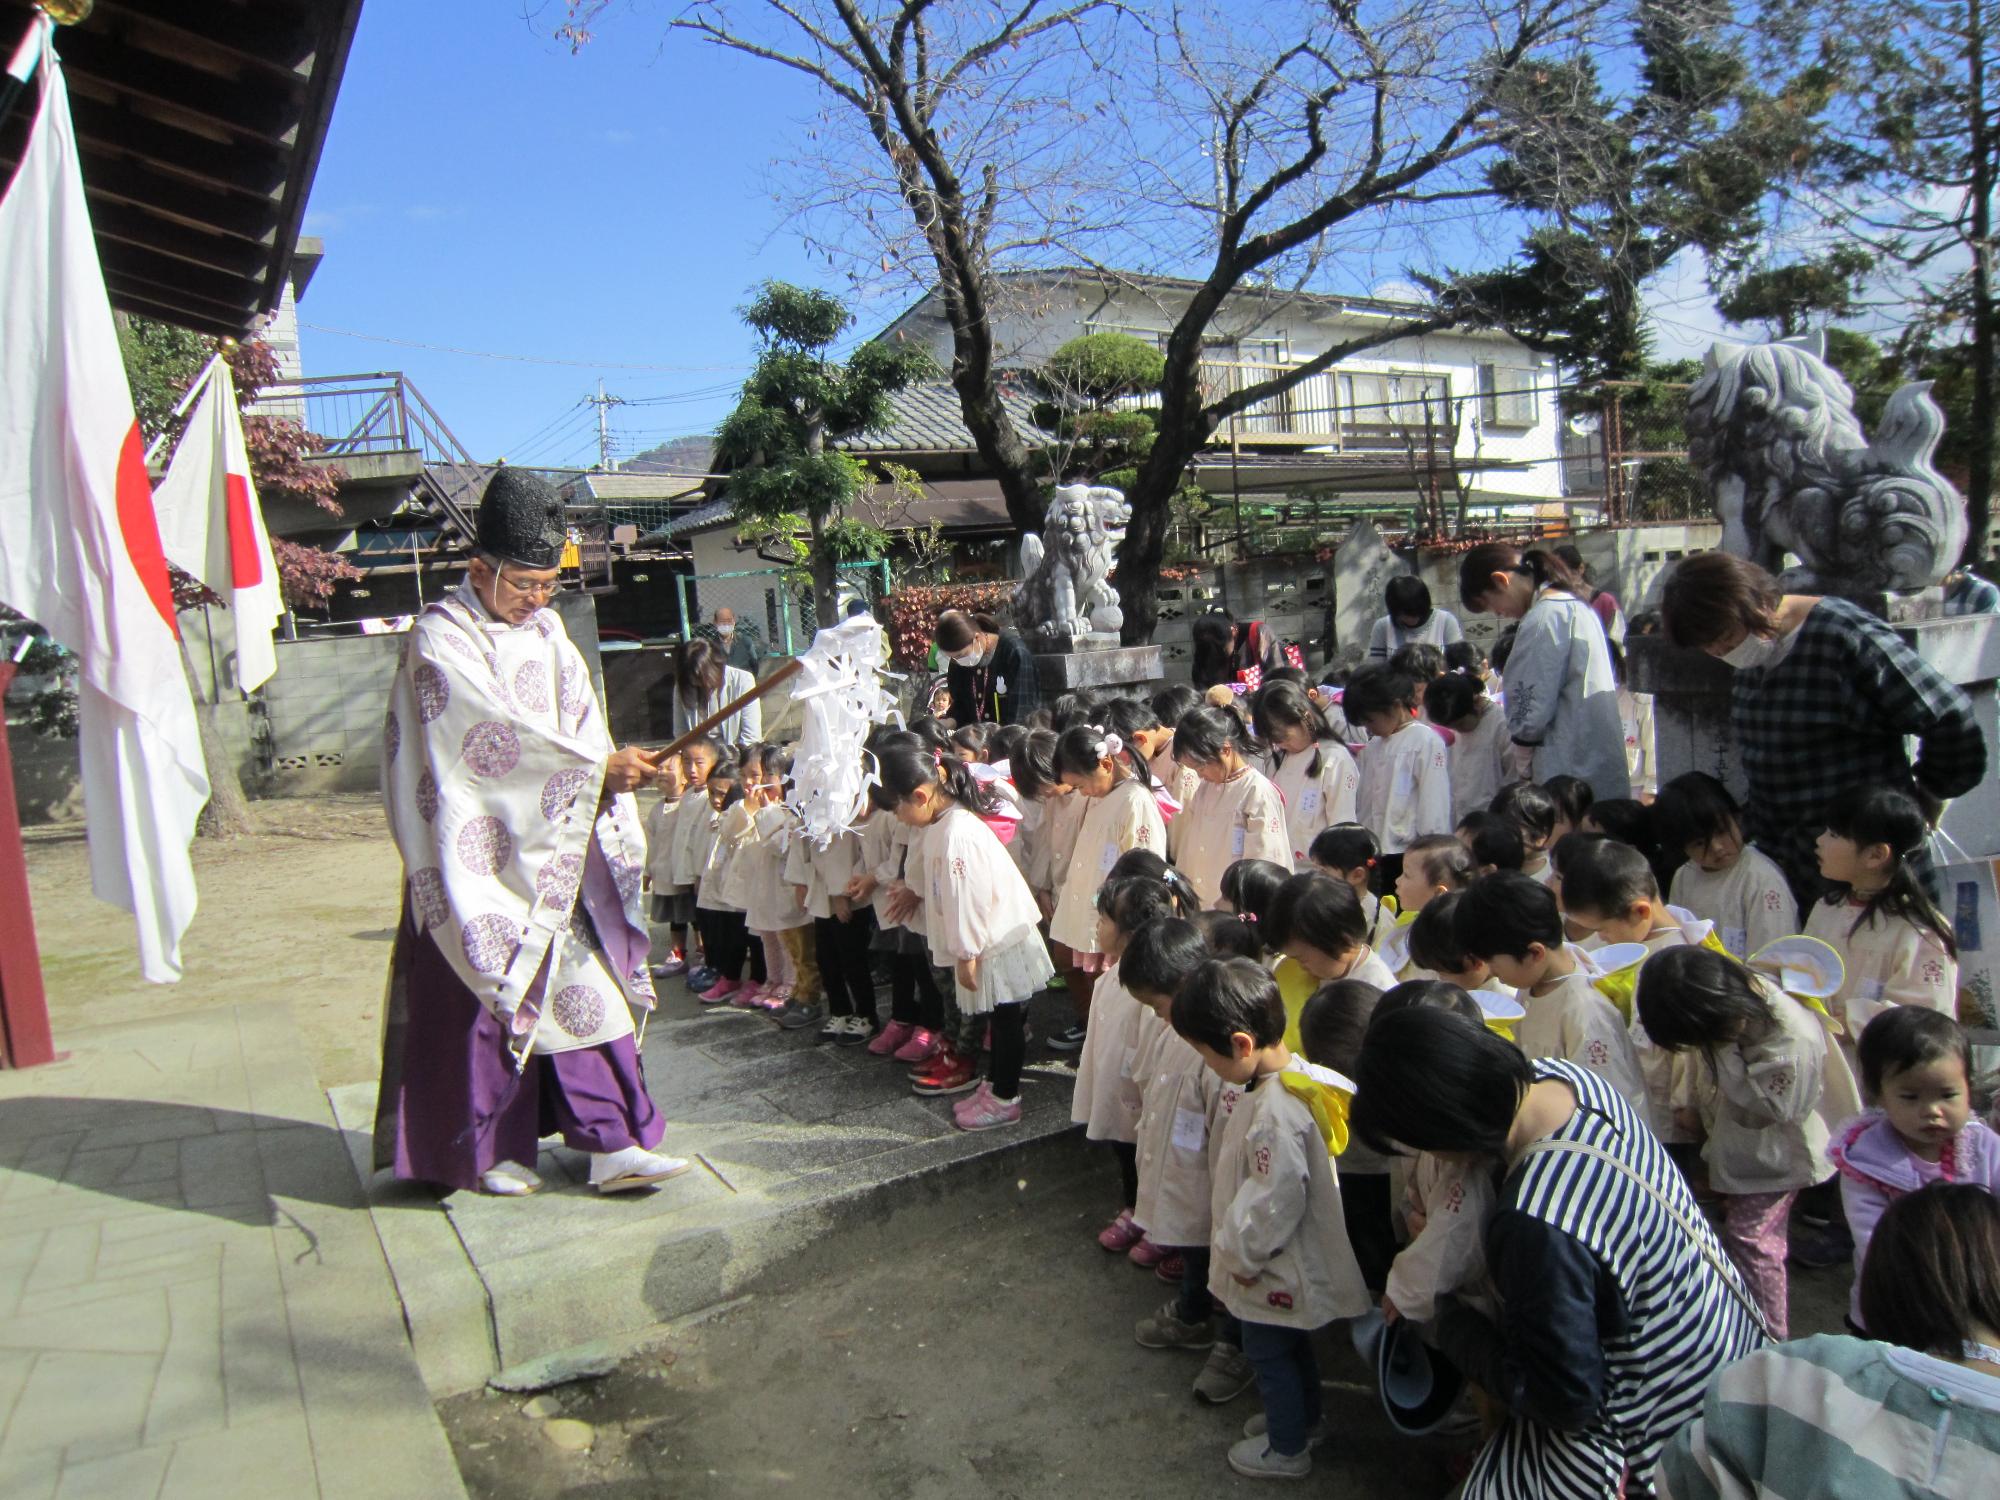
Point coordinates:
[(526, 359)]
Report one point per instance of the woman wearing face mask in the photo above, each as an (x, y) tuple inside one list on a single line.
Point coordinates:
[(1562, 698), (1824, 697), (991, 675)]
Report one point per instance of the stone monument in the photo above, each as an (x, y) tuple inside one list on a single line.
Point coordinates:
[(1803, 492), (1065, 607), (1772, 432)]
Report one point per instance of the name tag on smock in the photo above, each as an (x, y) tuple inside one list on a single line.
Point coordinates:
[(1109, 859), (1131, 1057), (1190, 1129), (1236, 843), (1309, 802)]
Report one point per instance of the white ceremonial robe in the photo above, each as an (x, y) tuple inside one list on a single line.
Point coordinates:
[(493, 775)]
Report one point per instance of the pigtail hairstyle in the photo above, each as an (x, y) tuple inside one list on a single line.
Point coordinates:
[(1285, 705), (1081, 748), (1133, 901), (1884, 815), (1145, 862), (1695, 997), (1345, 846), (1204, 733), (905, 768), (1464, 657), (1251, 885), (1128, 718), (1227, 936)]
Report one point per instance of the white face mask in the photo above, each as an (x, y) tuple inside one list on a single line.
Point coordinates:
[(725, 631), (1753, 650), (971, 658)]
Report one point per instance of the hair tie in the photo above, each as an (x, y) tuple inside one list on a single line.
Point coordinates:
[(1109, 746), (937, 759), (1247, 916)]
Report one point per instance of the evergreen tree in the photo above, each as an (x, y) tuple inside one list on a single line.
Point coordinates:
[(786, 478)]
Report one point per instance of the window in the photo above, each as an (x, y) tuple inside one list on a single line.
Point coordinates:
[(1157, 337), (1507, 396), (1398, 398)]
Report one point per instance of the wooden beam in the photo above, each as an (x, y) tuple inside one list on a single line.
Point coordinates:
[(235, 314), (140, 264), (124, 181), (260, 106), (247, 167), (168, 310), (274, 34), (117, 223)]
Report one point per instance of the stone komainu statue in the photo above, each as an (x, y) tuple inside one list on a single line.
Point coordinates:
[(1065, 572), (1772, 431)]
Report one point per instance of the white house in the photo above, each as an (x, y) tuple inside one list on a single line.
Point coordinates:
[(1477, 405)]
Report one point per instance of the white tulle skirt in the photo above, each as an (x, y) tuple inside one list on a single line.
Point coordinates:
[(1011, 972)]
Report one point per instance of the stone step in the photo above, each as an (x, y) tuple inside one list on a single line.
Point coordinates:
[(805, 1155)]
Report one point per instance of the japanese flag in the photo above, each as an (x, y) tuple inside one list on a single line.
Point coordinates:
[(213, 529), (79, 544)]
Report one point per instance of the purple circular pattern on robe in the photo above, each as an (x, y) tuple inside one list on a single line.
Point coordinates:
[(433, 692), (461, 645), (427, 796), (491, 748), (491, 941), (574, 698), (531, 687), (628, 876), (485, 845), (556, 882), (544, 625), (392, 735), (559, 791), (427, 896), (581, 928), (578, 1010)]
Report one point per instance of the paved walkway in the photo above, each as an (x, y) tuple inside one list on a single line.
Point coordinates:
[(799, 1146), (193, 1302)]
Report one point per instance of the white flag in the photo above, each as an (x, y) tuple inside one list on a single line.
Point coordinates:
[(80, 545), (213, 528)]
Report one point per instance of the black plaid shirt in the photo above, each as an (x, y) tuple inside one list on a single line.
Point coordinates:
[(1831, 717)]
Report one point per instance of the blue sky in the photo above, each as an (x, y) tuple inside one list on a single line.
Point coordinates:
[(483, 189)]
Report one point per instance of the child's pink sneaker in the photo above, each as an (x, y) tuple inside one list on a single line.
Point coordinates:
[(885, 1042), (774, 997), (750, 997), (920, 1048), (981, 1110), (720, 991), (1173, 1269), (1146, 1255), (1121, 1234)]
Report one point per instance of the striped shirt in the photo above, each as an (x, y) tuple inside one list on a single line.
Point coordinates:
[(1664, 1316), (1835, 1418), (1830, 717)]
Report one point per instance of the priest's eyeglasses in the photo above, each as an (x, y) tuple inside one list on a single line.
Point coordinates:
[(545, 590)]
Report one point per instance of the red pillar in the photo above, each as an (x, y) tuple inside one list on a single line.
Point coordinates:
[(24, 1009)]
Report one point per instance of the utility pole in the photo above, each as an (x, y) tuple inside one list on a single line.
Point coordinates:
[(604, 403)]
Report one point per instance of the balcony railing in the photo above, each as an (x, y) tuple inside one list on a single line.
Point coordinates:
[(1312, 413)]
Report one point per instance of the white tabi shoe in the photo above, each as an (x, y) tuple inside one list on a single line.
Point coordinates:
[(509, 1179), (634, 1167)]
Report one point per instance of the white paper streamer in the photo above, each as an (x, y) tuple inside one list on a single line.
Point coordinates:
[(841, 688)]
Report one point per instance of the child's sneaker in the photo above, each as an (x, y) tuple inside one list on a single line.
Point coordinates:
[(701, 977), (750, 997), (1255, 1458), (834, 1029), (890, 1037), (922, 1047), (722, 990), (1165, 1330), (947, 1073), (1146, 1255), (854, 1033), (1172, 1270), (671, 965), (984, 1112), (1227, 1375), (1259, 1425), (1121, 1234), (796, 1015)]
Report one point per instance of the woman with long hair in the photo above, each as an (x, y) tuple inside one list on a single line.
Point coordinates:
[(703, 684), (1562, 696)]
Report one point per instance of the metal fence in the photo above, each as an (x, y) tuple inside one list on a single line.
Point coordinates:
[(778, 601)]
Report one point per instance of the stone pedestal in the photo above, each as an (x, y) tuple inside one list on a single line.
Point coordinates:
[(1691, 712), (1109, 667)]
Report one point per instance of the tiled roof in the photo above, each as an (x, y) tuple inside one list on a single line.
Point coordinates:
[(614, 487), (927, 420)]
